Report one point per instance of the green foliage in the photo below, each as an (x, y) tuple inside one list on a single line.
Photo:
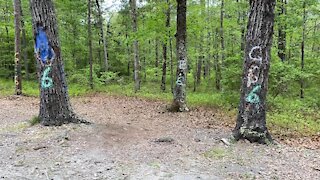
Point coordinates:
[(110, 77), (35, 120), (216, 152)]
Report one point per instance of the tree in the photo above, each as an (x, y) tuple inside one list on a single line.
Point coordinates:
[(179, 102), (55, 108), (133, 7), (164, 48), (303, 48), (251, 120), (17, 24), (90, 43), (105, 53), (282, 30)]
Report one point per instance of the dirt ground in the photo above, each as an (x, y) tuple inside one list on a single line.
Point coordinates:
[(133, 138)]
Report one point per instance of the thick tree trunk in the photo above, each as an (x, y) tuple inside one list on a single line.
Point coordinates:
[(251, 121), (135, 46), (90, 44), (164, 47), (55, 108), (17, 25), (105, 53), (302, 48), (282, 31), (179, 102)]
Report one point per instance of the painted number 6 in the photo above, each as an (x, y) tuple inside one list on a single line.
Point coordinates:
[(46, 82), (253, 97)]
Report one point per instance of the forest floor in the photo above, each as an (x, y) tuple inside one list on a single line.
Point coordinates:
[(133, 138)]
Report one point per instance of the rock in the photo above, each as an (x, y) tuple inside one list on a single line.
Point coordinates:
[(164, 140), (39, 147)]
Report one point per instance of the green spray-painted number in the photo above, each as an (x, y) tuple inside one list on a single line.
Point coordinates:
[(46, 82), (252, 96)]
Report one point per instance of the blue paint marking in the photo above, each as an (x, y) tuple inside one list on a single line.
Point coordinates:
[(42, 46), (253, 97)]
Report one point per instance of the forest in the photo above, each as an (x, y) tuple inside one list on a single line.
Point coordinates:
[(249, 68)]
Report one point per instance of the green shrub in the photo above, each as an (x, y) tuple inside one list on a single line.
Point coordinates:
[(35, 120)]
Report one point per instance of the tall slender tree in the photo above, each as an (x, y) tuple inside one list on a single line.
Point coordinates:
[(90, 44), (179, 102), (24, 46), (251, 120), (165, 47), (133, 7), (17, 24), (222, 37), (104, 43), (302, 47), (282, 30), (55, 108)]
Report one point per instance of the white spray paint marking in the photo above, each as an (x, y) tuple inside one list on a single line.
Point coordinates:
[(259, 58), (182, 64), (251, 77)]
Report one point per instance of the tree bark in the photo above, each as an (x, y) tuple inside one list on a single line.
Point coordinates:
[(133, 6), (105, 53), (251, 120), (24, 46), (302, 48), (222, 37), (171, 65), (282, 31), (164, 47), (17, 25), (90, 44), (179, 102), (157, 58), (217, 65), (55, 108)]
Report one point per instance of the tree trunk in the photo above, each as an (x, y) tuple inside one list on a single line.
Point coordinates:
[(135, 46), (282, 31), (251, 120), (302, 48), (90, 44), (55, 108), (199, 66), (217, 65), (157, 58), (222, 36), (105, 53), (24, 47), (164, 47), (17, 25), (171, 65), (179, 102)]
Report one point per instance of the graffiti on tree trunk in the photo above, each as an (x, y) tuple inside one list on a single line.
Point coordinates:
[(255, 56), (45, 55), (46, 81)]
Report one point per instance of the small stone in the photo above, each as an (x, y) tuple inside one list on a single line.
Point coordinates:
[(165, 140)]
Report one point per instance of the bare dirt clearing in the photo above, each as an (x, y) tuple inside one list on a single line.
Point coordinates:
[(136, 139)]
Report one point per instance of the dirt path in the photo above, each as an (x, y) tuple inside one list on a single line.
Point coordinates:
[(136, 139)]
